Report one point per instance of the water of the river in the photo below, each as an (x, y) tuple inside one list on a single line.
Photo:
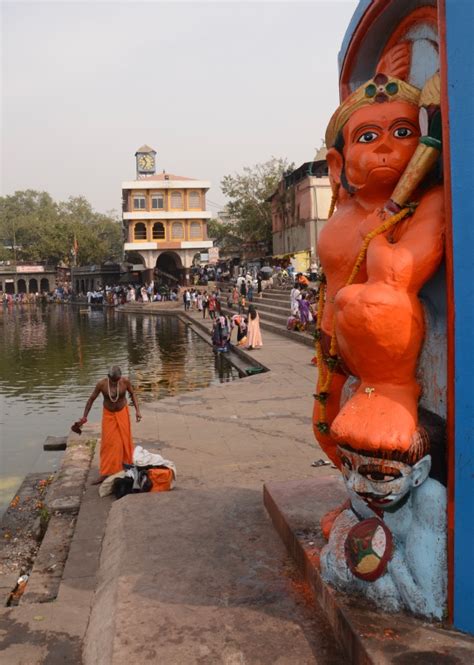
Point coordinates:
[(51, 358)]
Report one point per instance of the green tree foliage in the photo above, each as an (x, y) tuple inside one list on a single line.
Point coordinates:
[(33, 227), (248, 193), (221, 231), (225, 235)]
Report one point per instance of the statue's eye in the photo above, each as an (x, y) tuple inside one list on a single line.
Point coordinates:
[(346, 462), (378, 477), (402, 133), (367, 137)]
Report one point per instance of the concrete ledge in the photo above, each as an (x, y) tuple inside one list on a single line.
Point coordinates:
[(249, 360), (48, 567), (62, 503), (367, 635), (65, 493)]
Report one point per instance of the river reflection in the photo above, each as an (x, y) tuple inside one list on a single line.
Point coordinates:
[(52, 357)]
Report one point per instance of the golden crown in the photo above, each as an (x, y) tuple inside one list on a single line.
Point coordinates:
[(380, 89)]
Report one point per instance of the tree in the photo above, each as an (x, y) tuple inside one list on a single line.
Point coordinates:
[(99, 237), (33, 227), (248, 193), (221, 231)]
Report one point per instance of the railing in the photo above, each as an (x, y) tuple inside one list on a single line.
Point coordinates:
[(166, 274)]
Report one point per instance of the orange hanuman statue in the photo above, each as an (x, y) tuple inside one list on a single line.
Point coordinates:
[(376, 255)]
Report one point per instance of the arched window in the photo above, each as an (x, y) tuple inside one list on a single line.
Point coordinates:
[(176, 200), (195, 230), (21, 285), (177, 231), (194, 200), (44, 284), (33, 285), (139, 232), (158, 231)]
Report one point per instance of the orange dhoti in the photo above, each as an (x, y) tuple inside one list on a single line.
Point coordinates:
[(116, 446)]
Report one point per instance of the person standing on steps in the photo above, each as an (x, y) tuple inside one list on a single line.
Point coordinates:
[(205, 305), (254, 336), (116, 447)]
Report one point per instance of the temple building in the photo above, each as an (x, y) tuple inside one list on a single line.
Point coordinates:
[(164, 218), (300, 207), (23, 278)]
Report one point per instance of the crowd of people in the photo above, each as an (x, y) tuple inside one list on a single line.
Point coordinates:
[(122, 294), (58, 295), (303, 304), (246, 325), (202, 301)]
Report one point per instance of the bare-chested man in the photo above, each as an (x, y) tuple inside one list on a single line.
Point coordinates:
[(116, 446)]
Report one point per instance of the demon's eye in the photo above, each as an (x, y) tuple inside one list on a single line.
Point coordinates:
[(402, 133), (379, 475), (367, 137), (346, 462)]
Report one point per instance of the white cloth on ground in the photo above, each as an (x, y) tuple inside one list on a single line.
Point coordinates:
[(143, 457)]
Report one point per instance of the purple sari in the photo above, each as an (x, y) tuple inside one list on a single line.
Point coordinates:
[(304, 311)]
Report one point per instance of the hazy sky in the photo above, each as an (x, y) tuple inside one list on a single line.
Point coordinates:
[(213, 87)]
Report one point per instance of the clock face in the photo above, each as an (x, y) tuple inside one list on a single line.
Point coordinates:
[(146, 162)]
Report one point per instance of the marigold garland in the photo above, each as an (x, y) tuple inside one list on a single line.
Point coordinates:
[(334, 197), (327, 366)]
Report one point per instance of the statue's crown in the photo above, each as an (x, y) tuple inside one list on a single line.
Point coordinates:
[(381, 88)]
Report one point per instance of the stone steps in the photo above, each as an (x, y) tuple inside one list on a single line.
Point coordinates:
[(277, 325), (265, 306), (277, 302), (273, 314)]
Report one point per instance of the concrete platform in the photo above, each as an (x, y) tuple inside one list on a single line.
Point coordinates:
[(209, 584), (198, 575), (367, 635)]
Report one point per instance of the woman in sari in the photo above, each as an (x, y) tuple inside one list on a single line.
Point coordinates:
[(254, 336), (239, 322), (235, 296), (303, 305)]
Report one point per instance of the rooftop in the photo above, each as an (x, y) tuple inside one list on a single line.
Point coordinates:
[(145, 148), (166, 176)]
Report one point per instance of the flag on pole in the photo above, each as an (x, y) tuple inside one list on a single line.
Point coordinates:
[(75, 250)]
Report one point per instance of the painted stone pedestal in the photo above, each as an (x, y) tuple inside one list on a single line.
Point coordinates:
[(366, 634)]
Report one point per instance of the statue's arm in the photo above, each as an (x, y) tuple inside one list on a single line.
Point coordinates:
[(414, 257), (418, 566), (423, 236), (401, 573)]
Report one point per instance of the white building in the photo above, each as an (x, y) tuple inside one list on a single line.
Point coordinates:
[(165, 218)]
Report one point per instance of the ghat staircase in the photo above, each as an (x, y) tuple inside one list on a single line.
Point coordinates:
[(273, 309)]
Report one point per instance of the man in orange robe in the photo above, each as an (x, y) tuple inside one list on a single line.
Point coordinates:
[(116, 446)]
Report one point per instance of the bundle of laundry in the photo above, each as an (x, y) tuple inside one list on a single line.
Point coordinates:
[(150, 472)]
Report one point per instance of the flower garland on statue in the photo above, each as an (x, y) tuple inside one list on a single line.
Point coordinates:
[(327, 365)]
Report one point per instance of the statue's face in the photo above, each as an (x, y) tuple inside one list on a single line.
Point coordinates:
[(381, 483), (379, 141)]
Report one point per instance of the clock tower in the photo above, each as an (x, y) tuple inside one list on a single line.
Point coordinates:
[(146, 162)]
